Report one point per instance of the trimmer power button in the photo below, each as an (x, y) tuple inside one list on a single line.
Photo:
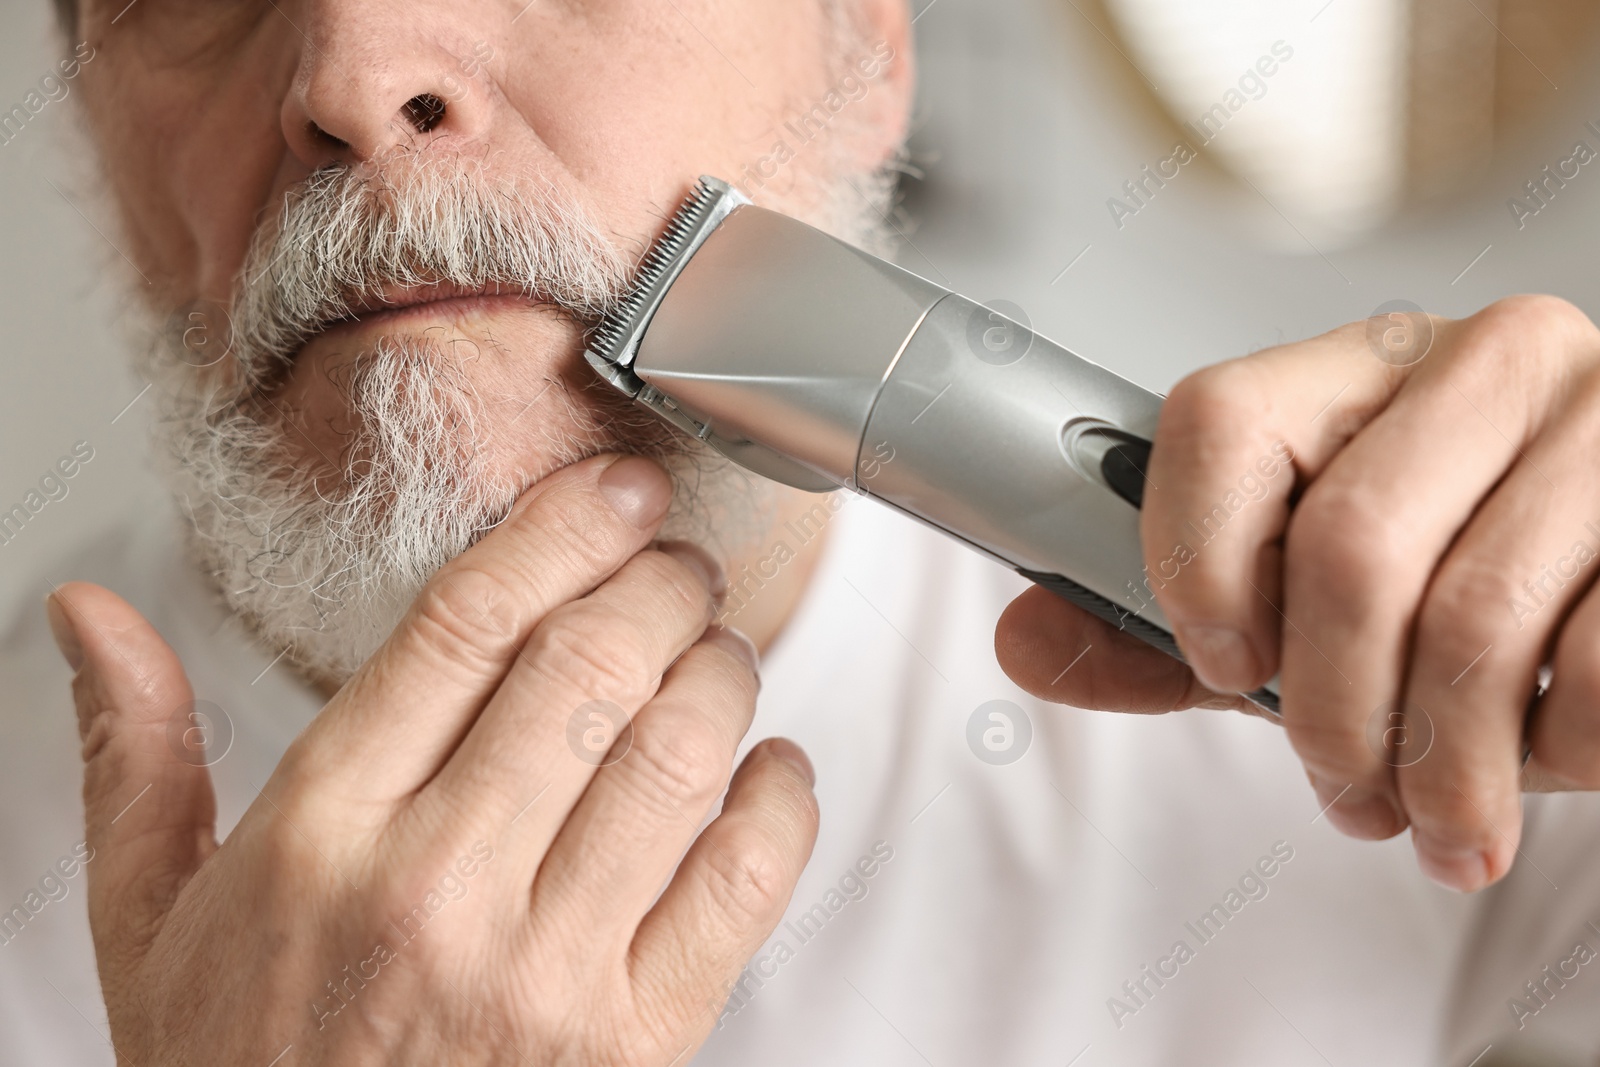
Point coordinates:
[(1123, 468)]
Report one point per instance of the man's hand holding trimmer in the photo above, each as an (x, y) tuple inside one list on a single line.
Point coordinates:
[(1407, 541)]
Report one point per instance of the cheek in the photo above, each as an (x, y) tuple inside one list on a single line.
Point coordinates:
[(226, 161), (636, 102), (192, 156)]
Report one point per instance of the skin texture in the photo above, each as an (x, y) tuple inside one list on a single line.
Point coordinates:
[(1414, 523), (1423, 498), (454, 742)]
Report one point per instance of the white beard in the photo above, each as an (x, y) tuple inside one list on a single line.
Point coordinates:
[(322, 560)]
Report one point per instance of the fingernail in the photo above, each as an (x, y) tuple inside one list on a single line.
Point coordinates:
[(1465, 870), (1358, 811), (1222, 657), (702, 563), (638, 489), (64, 632), (794, 756), (737, 643)]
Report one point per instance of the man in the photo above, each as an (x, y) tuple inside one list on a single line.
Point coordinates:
[(374, 234)]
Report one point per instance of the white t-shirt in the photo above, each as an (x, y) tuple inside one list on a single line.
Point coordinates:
[(1130, 891)]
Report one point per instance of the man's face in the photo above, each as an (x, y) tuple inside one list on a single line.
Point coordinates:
[(297, 178)]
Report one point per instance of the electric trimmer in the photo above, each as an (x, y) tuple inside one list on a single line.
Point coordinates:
[(810, 362)]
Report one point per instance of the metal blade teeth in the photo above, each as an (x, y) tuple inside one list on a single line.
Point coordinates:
[(617, 323)]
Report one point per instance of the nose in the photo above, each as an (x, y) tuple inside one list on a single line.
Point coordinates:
[(369, 81)]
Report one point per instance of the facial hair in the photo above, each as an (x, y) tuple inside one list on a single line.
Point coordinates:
[(322, 555)]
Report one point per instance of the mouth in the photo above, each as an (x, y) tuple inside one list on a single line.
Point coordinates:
[(396, 305)]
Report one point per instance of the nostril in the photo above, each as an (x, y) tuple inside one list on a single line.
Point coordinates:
[(322, 136), (424, 111)]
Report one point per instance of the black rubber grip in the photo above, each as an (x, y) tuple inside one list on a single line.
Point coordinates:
[(1127, 621)]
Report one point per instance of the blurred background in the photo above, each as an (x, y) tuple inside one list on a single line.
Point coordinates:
[(1159, 184), (63, 376)]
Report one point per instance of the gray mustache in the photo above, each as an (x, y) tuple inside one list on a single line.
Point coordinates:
[(348, 234)]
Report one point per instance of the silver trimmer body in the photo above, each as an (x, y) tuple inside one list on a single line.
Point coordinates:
[(818, 365)]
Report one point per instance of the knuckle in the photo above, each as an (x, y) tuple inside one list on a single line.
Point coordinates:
[(282, 843), (594, 652), (467, 610), (97, 723), (430, 876), (1345, 549), (734, 674), (663, 571), (1463, 609), (104, 772), (1213, 404), (1211, 431), (1516, 333), (1538, 313), (145, 692), (1334, 747), (747, 878), (302, 783), (683, 760)]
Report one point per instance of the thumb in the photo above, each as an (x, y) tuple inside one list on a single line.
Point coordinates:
[(149, 811), (1060, 653)]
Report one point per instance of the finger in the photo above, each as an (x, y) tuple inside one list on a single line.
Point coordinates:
[(1490, 616), (1232, 442), (1565, 739), (409, 706), (641, 813), (149, 810), (730, 890), (609, 651), (1067, 656), (1369, 533)]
